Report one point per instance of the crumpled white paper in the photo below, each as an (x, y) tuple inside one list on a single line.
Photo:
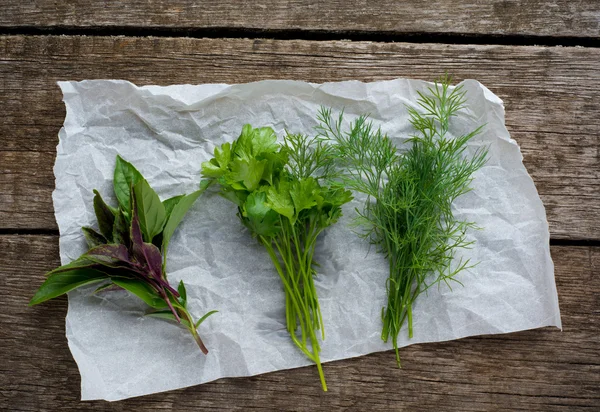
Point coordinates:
[(166, 132)]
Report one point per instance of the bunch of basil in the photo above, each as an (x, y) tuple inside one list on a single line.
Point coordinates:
[(129, 250)]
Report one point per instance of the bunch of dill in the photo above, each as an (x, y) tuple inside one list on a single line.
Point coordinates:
[(408, 213)]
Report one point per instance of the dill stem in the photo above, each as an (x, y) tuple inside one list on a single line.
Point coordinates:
[(410, 328)]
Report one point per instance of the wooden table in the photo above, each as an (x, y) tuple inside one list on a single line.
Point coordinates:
[(541, 57)]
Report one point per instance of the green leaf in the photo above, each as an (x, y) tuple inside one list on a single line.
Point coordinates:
[(264, 140), (259, 217), (256, 205), (210, 169), (150, 210), (236, 196), (105, 287), (305, 194), (279, 200), (167, 315), (242, 146), (218, 165), (105, 215), (126, 176), (182, 293), (79, 263), (203, 318), (92, 237), (205, 184), (249, 172), (223, 155), (169, 204), (274, 165), (177, 215), (142, 290), (108, 255), (59, 283), (335, 197)]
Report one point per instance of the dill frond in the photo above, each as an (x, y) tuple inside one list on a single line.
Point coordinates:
[(408, 212)]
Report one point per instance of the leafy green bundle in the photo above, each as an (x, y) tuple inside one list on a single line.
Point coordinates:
[(408, 212), (129, 251), (282, 201)]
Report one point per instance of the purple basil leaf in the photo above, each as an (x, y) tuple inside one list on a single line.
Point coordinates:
[(157, 240), (120, 231), (92, 237), (153, 259), (105, 215), (109, 254), (137, 240)]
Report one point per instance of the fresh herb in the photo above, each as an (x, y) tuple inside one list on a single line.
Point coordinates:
[(408, 212), (129, 250), (281, 199)]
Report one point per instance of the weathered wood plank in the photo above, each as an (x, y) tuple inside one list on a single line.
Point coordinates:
[(552, 97), (513, 17), (543, 370)]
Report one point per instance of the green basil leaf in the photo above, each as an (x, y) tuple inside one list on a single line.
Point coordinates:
[(93, 238), (169, 204), (79, 263), (182, 293), (59, 283), (167, 315), (105, 215), (177, 216), (203, 318), (150, 210), (106, 287), (142, 290), (126, 176)]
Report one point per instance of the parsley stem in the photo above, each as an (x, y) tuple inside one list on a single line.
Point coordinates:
[(285, 199)]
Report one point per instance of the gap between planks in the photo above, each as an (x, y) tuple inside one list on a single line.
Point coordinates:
[(312, 35), (549, 18), (551, 95)]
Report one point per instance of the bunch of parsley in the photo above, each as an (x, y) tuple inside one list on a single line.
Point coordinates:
[(408, 213), (129, 251), (282, 199)]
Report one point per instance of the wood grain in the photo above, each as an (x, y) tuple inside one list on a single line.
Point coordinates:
[(552, 98), (555, 18), (543, 369)]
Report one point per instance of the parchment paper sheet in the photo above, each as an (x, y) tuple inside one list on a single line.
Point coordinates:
[(166, 132)]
